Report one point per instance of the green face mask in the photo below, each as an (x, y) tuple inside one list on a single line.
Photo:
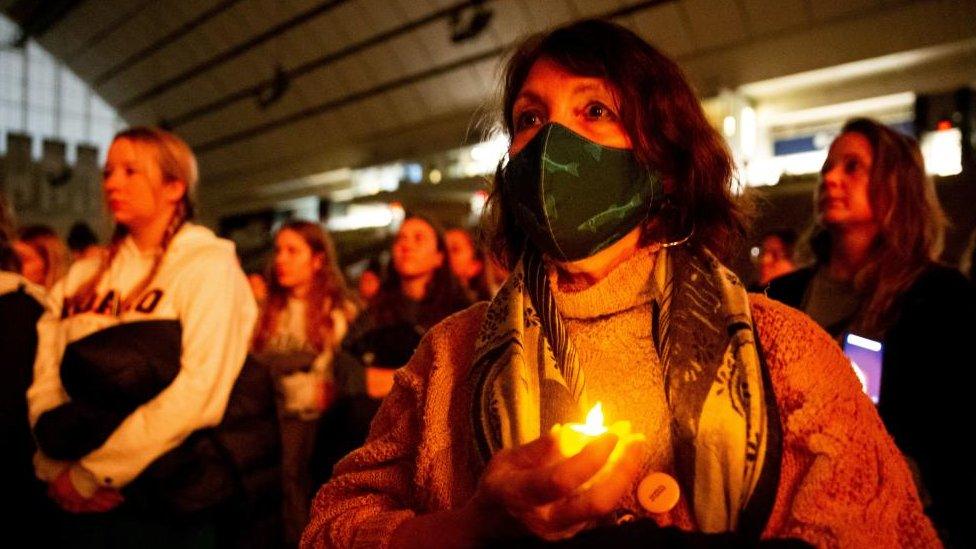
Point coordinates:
[(574, 197)]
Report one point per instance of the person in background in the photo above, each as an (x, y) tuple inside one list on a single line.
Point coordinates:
[(419, 291), (44, 257), (152, 428), (259, 287), (370, 280), (468, 263), (878, 234), (82, 242), (301, 326), (967, 261), (32, 264), (610, 208), (776, 249), (9, 259), (21, 304)]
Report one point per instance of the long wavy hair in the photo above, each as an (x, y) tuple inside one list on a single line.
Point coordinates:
[(176, 163), (444, 295), (664, 120), (327, 293), (910, 220)]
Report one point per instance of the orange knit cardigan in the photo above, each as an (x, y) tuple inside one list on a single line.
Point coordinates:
[(843, 483)]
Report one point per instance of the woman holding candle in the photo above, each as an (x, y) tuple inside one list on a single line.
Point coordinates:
[(610, 210)]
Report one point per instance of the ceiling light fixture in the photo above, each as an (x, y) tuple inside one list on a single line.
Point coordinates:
[(274, 89), (469, 21)]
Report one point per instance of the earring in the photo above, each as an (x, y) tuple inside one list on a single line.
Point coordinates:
[(667, 205), (681, 240)]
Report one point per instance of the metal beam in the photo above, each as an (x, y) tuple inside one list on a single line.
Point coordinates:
[(171, 37), (232, 53), (309, 66), (107, 30), (36, 17), (381, 88), (345, 100)]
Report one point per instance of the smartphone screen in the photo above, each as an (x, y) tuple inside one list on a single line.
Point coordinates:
[(865, 355)]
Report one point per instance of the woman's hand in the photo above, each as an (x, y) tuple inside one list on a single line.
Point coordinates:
[(63, 491), (534, 488)]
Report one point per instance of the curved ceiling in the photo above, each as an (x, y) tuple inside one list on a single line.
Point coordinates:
[(268, 90)]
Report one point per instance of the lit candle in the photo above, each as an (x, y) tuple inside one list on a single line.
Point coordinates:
[(572, 437)]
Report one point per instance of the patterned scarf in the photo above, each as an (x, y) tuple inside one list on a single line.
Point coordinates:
[(527, 377)]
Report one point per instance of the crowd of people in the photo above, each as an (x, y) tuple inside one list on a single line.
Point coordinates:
[(155, 396)]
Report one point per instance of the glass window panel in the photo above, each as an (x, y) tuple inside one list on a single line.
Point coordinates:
[(58, 103), (74, 95), (101, 109), (102, 137), (40, 93), (11, 75), (8, 30), (40, 123), (72, 127), (11, 117)]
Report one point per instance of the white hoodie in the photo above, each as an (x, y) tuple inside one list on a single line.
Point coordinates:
[(200, 284), (12, 282)]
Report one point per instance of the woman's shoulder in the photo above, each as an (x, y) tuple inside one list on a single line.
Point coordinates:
[(942, 281), (797, 350), (774, 318), (786, 330), (197, 254), (789, 288), (196, 241), (20, 299), (462, 322), (451, 341), (15, 282), (813, 382), (81, 270)]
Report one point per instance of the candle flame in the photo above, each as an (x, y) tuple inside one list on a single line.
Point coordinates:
[(594, 422)]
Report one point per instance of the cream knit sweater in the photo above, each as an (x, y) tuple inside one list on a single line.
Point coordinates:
[(843, 482)]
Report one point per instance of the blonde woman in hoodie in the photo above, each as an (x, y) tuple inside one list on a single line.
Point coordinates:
[(148, 421)]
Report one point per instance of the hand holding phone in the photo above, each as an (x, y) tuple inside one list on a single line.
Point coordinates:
[(866, 358)]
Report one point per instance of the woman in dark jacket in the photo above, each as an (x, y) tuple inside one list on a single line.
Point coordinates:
[(879, 233), (419, 291)]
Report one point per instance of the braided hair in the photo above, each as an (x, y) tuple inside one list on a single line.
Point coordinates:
[(176, 163)]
